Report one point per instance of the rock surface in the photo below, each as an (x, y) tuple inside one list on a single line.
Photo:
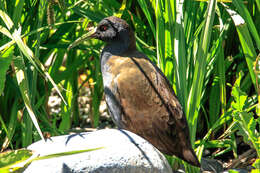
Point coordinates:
[(123, 152), (211, 165)]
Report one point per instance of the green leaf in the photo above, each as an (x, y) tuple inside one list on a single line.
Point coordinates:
[(232, 171), (4, 31), (143, 4), (193, 103), (17, 160), (219, 143), (180, 53), (247, 126), (245, 40), (18, 11), (5, 61), (243, 11), (214, 103), (24, 89), (7, 20), (16, 36), (246, 122), (256, 164), (240, 97), (7, 159)]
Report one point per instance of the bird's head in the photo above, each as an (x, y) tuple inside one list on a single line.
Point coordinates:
[(111, 30)]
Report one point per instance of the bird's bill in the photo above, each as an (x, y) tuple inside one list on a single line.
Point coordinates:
[(84, 37)]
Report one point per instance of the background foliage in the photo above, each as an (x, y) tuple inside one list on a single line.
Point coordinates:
[(207, 50)]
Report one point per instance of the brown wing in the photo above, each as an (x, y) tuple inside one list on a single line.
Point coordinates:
[(149, 105)]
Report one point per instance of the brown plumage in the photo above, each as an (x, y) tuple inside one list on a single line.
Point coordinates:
[(139, 97)]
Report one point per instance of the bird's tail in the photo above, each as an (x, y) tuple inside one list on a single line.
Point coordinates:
[(189, 156)]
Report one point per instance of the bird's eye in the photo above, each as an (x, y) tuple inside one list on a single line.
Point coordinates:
[(103, 28)]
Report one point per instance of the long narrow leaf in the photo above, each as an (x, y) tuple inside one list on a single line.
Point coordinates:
[(242, 10), (180, 55), (27, 51), (143, 4), (23, 86), (160, 35), (245, 40), (200, 70), (5, 61)]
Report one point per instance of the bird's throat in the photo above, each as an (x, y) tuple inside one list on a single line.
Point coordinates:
[(114, 49)]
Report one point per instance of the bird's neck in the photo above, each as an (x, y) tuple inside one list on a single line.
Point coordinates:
[(116, 49), (126, 43)]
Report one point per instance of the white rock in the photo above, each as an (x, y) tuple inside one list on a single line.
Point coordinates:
[(123, 152)]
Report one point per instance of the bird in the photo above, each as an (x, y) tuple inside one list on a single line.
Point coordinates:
[(139, 97)]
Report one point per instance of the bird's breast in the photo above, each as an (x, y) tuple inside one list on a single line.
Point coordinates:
[(133, 81), (121, 71)]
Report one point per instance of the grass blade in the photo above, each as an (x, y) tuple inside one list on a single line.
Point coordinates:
[(180, 55), (143, 4), (242, 10), (245, 40), (200, 71), (23, 86), (27, 51), (5, 61)]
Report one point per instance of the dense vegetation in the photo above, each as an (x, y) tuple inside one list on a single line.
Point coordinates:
[(208, 51)]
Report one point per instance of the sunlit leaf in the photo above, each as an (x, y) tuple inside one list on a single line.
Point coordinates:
[(5, 61), (240, 97), (9, 158), (22, 80)]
